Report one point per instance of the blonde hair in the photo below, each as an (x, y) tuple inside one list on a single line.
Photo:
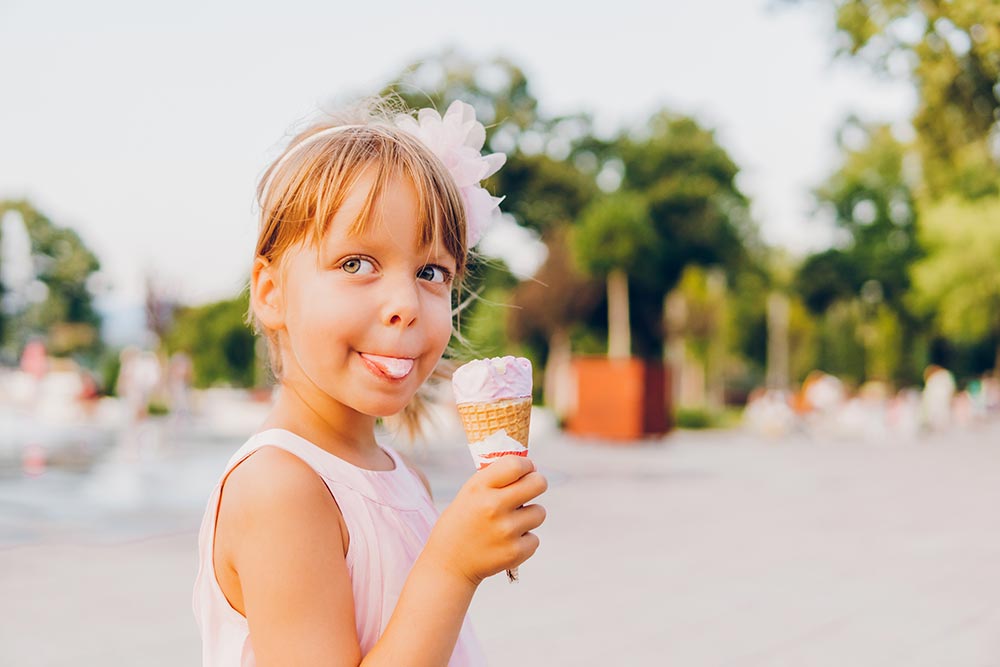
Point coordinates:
[(303, 188)]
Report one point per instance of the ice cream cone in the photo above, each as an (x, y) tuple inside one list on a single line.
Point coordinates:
[(493, 397), (512, 415), (481, 420)]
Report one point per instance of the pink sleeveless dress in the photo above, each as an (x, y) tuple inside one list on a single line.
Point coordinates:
[(389, 516)]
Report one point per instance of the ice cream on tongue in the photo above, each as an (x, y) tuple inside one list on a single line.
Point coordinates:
[(394, 367), (488, 380)]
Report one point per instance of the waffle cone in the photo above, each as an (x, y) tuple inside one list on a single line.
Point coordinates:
[(482, 420)]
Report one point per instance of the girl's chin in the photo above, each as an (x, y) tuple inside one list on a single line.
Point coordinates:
[(385, 407)]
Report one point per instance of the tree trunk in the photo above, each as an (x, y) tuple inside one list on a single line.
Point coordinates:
[(558, 382), (777, 341), (619, 334), (675, 314), (715, 361)]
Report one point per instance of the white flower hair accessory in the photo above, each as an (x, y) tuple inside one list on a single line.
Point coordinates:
[(457, 139)]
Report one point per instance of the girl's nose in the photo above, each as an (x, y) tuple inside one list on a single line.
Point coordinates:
[(401, 303)]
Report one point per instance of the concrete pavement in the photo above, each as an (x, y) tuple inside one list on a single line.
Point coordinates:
[(703, 549)]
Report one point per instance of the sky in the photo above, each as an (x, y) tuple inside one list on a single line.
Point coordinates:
[(145, 126)]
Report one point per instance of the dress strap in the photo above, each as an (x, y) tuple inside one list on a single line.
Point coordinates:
[(388, 487)]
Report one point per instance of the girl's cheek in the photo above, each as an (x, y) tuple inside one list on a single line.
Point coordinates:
[(443, 324)]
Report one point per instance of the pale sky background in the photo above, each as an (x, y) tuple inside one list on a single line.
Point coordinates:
[(145, 126)]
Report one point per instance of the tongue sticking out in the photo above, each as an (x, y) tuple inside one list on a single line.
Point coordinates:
[(394, 367)]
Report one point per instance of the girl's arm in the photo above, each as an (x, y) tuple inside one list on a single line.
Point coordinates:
[(279, 530), (484, 530)]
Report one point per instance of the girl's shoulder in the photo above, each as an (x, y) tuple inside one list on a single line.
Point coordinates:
[(269, 500), (272, 495), (275, 551), (272, 477)]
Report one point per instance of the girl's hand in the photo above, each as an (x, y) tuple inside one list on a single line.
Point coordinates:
[(486, 528)]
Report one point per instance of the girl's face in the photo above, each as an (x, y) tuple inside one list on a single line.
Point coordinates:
[(367, 317)]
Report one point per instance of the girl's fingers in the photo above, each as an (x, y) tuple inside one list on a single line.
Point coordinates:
[(528, 546), (506, 470), (525, 489), (530, 517)]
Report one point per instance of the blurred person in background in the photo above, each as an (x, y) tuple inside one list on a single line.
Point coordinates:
[(138, 378), (180, 373), (939, 393)]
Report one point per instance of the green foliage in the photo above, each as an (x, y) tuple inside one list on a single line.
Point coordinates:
[(840, 351), (66, 317), (688, 180), (157, 409), (543, 193), (702, 418), (803, 333), (873, 205), (951, 52), (868, 274), (885, 353), (220, 345), (615, 232), (674, 169), (827, 277), (746, 324), (109, 368), (958, 282), (694, 418), (939, 307)]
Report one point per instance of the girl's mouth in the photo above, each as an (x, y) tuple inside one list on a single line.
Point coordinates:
[(395, 368)]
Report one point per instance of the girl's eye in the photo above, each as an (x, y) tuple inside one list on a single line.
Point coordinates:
[(357, 265), (434, 274)]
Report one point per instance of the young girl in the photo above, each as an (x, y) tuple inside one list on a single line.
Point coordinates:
[(320, 546)]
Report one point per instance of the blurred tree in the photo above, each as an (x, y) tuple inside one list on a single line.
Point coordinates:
[(700, 329), (220, 345), (958, 282), (60, 306), (747, 327), (840, 350), (951, 50), (610, 243), (698, 214), (689, 180), (872, 204)]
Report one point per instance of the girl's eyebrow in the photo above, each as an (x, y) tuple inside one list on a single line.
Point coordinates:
[(437, 254)]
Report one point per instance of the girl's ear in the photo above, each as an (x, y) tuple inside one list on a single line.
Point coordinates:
[(265, 294)]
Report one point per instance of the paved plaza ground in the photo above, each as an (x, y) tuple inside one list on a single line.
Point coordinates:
[(701, 549)]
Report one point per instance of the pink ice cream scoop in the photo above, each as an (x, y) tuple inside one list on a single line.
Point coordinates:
[(488, 380)]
